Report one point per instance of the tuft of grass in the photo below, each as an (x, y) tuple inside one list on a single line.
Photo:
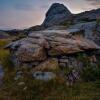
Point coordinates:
[(3, 42), (5, 59), (98, 21)]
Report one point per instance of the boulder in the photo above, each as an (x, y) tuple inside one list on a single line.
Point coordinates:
[(42, 45), (29, 53), (49, 64), (44, 76)]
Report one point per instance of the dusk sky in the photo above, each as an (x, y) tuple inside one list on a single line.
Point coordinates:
[(27, 13)]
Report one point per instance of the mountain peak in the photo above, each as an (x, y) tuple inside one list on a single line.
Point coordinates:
[(56, 14)]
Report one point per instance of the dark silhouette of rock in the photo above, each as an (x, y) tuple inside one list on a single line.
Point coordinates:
[(88, 15), (3, 35), (57, 14)]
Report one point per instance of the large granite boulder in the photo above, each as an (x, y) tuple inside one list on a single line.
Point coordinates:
[(57, 14), (41, 45)]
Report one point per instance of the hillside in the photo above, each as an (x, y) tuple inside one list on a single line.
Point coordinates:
[(57, 60)]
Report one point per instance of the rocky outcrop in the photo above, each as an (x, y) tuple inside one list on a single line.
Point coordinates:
[(57, 14), (88, 15), (41, 45)]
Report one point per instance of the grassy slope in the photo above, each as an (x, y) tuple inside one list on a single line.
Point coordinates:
[(38, 90), (52, 90)]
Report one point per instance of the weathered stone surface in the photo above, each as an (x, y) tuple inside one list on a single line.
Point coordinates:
[(45, 76), (73, 46), (30, 53), (88, 28), (61, 50), (50, 64)]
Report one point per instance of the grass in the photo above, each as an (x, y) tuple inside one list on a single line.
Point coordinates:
[(98, 21), (51, 90), (3, 42), (5, 58)]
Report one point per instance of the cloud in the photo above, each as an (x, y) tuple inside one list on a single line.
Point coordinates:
[(94, 2)]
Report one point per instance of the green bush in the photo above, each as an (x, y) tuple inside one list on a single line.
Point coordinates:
[(90, 73)]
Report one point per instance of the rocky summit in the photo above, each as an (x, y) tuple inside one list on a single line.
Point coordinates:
[(57, 14)]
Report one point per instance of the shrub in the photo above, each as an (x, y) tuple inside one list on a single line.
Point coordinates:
[(89, 72)]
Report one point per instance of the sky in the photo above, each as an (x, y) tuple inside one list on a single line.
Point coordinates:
[(26, 13)]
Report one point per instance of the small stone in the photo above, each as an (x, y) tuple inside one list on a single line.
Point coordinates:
[(18, 75), (45, 76), (21, 83), (62, 64), (49, 64), (25, 88), (63, 60)]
